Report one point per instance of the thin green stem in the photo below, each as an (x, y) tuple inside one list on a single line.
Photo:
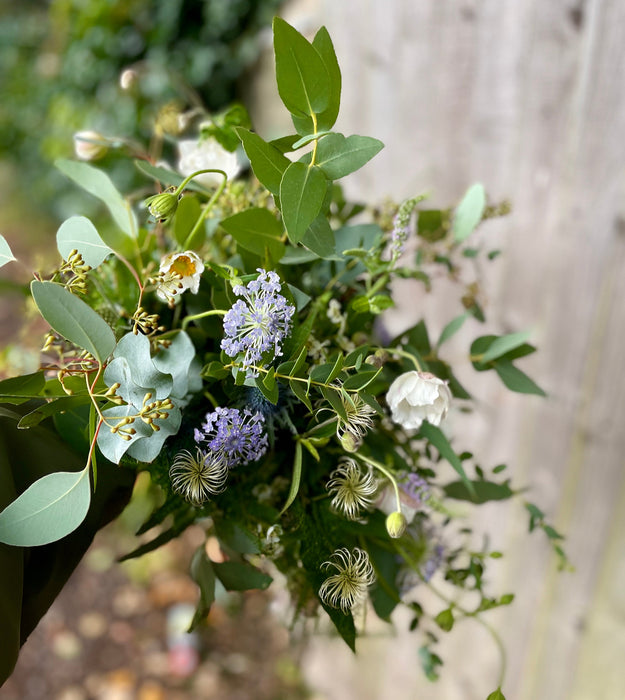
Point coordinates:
[(404, 353), (380, 467), (315, 142), (213, 312), (208, 206)]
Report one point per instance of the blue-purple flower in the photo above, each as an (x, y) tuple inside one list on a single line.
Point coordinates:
[(257, 323), (237, 435)]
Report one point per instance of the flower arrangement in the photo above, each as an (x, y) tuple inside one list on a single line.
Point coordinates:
[(228, 338)]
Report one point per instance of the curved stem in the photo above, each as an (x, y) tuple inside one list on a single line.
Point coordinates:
[(213, 312), (316, 141), (403, 353), (387, 474), (208, 206)]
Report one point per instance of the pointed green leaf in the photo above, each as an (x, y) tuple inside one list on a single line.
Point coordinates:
[(327, 118), (301, 74), (240, 576), (100, 185), (78, 233), (167, 177), (298, 388), (49, 409), (445, 620), (483, 491), (496, 695), (469, 212), (338, 156), (72, 318), (435, 436), (452, 327), (5, 252), (503, 344), (266, 160), (302, 192), (17, 390), (319, 238), (516, 380), (203, 574), (49, 509), (296, 478), (256, 230)]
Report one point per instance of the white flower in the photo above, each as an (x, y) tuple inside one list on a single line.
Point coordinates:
[(417, 396), (348, 586), (177, 273), (89, 145), (205, 154)]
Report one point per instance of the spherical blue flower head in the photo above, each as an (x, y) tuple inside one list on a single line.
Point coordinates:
[(239, 435), (258, 322)]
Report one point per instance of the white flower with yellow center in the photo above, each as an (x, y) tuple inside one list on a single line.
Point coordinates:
[(177, 273)]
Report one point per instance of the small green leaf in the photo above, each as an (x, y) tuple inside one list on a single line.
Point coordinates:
[(17, 390), (298, 389), (268, 386), (166, 176), (203, 574), (445, 620), (78, 233), (296, 478), (256, 230), (5, 252), (496, 695), (72, 318), (436, 437), (338, 156), (100, 185), (240, 576), (302, 192), (309, 138), (503, 344), (49, 509), (266, 160), (483, 491), (451, 328), (301, 74), (233, 535), (359, 381), (516, 380), (49, 409), (469, 212)]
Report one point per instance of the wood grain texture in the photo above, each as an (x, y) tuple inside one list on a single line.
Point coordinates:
[(527, 97)]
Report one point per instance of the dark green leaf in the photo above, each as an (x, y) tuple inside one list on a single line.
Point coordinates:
[(266, 160), (319, 238), (187, 214), (360, 380), (445, 620), (240, 576), (432, 225), (49, 409), (299, 389), (516, 380), (483, 491), (72, 318), (301, 74), (256, 230), (203, 574), (302, 192), (234, 536), (17, 390), (338, 156), (436, 437), (327, 118)]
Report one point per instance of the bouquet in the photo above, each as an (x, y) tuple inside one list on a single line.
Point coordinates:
[(226, 334)]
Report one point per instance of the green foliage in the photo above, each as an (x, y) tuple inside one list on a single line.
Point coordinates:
[(469, 212), (78, 233), (5, 252)]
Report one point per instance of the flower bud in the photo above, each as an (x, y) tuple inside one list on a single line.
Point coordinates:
[(162, 206), (128, 78), (350, 442), (89, 145), (396, 524)]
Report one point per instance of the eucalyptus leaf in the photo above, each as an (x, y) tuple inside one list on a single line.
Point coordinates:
[(436, 437), (100, 185), (338, 156), (48, 510), (319, 238), (267, 162), (302, 77), (302, 192), (78, 233), (72, 318), (516, 380), (469, 212), (256, 230), (5, 252), (240, 576), (452, 328), (503, 344)]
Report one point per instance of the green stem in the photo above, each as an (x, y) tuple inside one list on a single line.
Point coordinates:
[(403, 353), (208, 206), (316, 141), (387, 474), (213, 312)]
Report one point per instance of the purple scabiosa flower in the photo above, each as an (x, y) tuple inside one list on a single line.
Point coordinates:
[(416, 488), (258, 322), (238, 435)]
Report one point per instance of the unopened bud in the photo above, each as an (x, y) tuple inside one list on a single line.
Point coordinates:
[(396, 524), (128, 78), (162, 206), (350, 442), (90, 145)]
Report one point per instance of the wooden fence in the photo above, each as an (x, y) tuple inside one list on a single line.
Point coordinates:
[(527, 97)]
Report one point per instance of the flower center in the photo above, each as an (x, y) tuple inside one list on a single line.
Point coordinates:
[(183, 265)]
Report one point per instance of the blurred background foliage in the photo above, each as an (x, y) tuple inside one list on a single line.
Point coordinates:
[(60, 65)]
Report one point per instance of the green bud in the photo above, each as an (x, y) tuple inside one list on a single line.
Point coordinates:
[(350, 442), (396, 524), (162, 206)]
